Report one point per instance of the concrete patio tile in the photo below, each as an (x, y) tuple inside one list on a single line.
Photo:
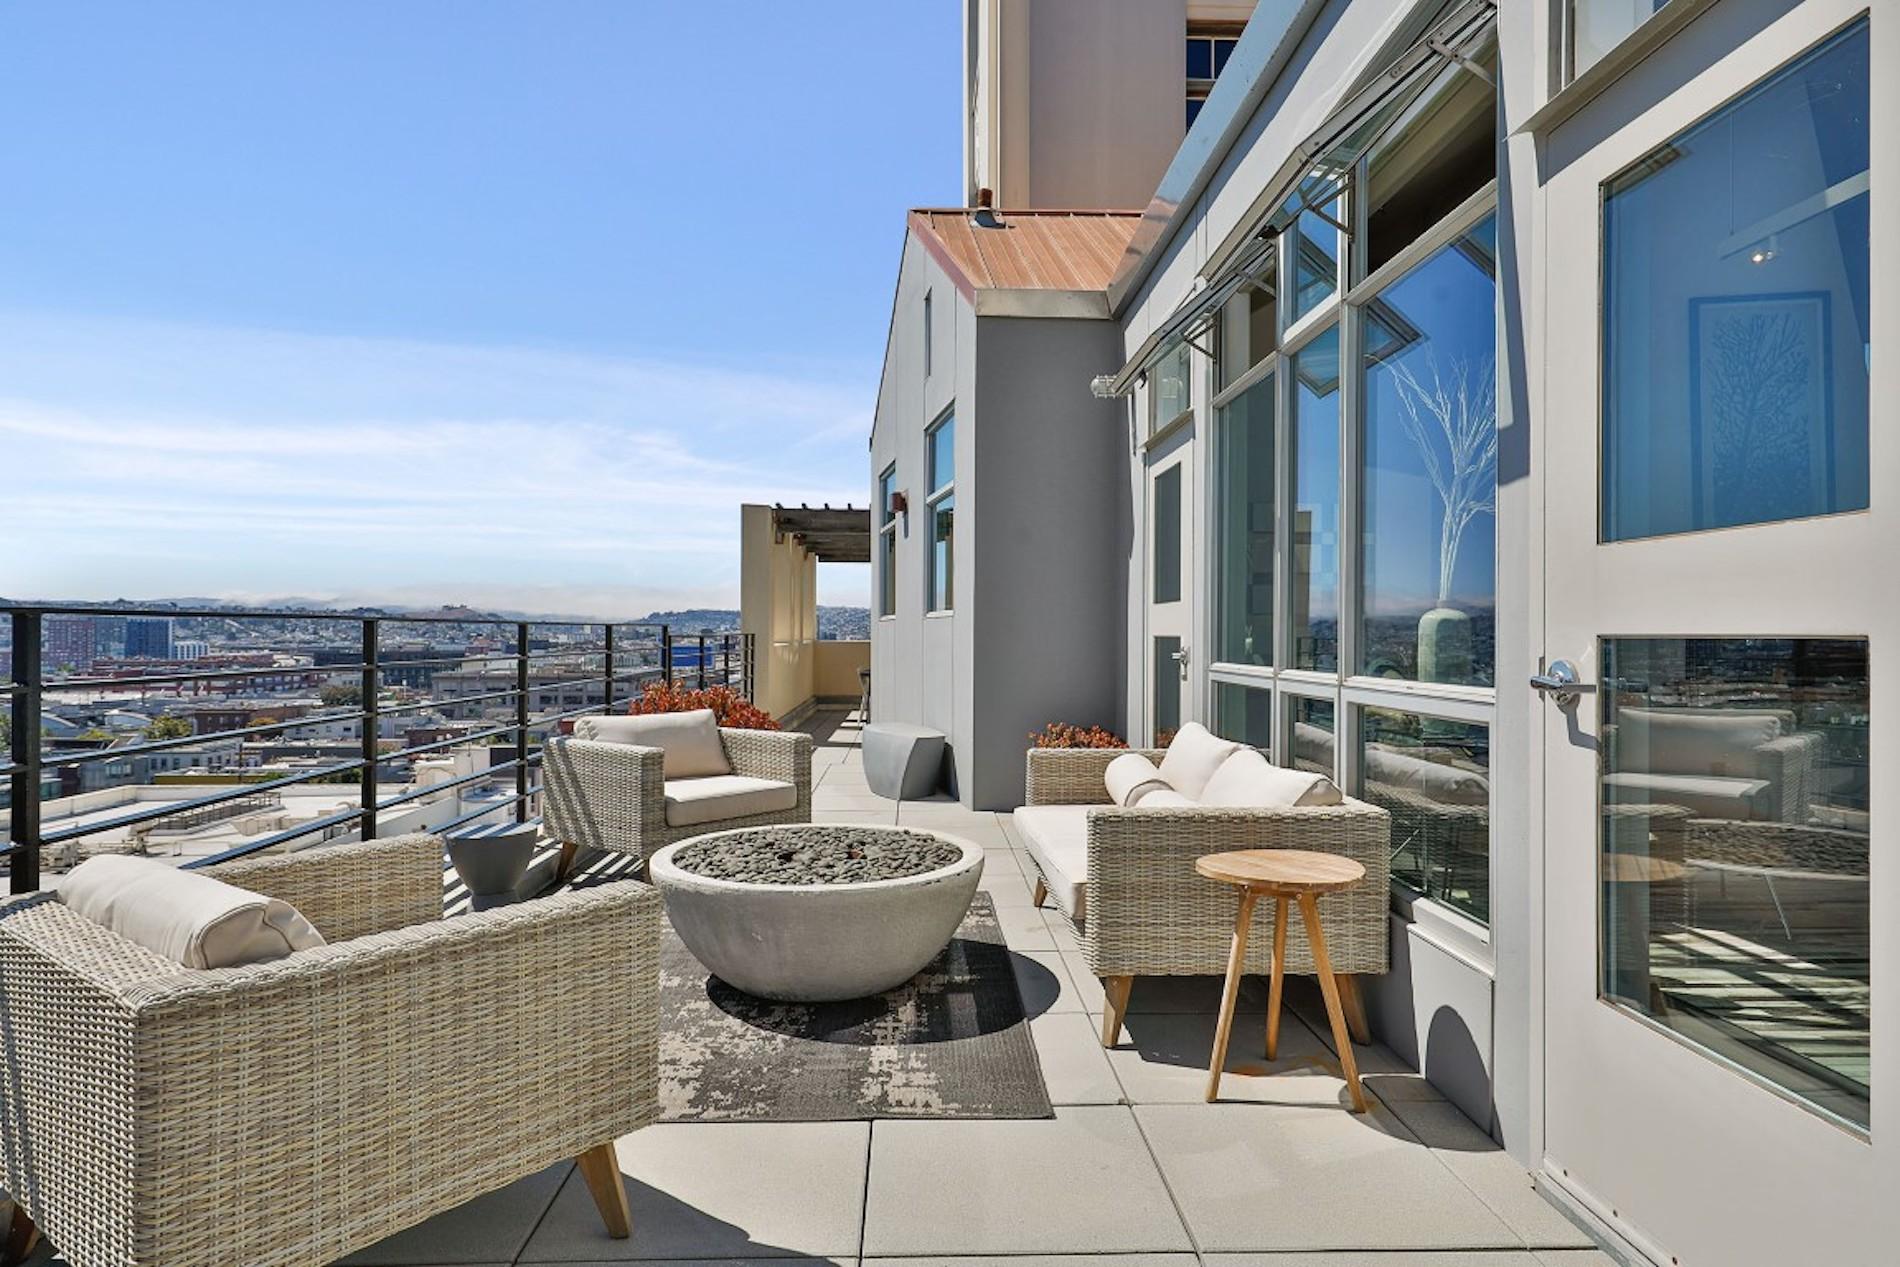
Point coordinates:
[(1061, 930), (1163, 1059), (1045, 983), (1575, 1258), (1074, 1066), (876, 818), (1023, 928), (721, 1190), (1088, 986), (1041, 1260), (1006, 888), (1381, 1258), (1082, 1183), (1253, 1176), (491, 1228), (1491, 1173)]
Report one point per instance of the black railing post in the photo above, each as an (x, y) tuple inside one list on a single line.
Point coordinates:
[(702, 660), (371, 688), (25, 816), (666, 654), (607, 705), (521, 722), (749, 641), (725, 660)]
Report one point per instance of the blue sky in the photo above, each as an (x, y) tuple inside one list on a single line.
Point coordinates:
[(507, 303)]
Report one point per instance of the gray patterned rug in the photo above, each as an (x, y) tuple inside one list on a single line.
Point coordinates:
[(953, 1042)]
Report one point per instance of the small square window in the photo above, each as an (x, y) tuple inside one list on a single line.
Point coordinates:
[(1200, 58)]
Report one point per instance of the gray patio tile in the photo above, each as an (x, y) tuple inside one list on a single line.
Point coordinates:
[(1061, 930), (1045, 983), (1023, 928), (1082, 1183), (1006, 888), (1381, 1258), (1088, 986), (1490, 1172), (1575, 1258), (1041, 1260), (1074, 1066), (721, 1190), (1163, 1059), (1255, 1176), (878, 818), (491, 1228), (716, 1262)]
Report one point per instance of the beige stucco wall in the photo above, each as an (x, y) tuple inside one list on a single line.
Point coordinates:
[(835, 665), (778, 606)]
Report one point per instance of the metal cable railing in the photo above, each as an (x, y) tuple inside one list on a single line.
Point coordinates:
[(548, 666)]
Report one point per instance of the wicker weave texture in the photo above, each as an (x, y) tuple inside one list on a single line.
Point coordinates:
[(612, 795), (296, 1111), (362, 887), (1150, 914)]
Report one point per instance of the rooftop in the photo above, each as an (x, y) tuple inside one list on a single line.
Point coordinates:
[(1075, 251)]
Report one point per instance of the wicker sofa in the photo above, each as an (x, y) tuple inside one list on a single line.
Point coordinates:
[(616, 796), (1146, 912), (295, 1111)]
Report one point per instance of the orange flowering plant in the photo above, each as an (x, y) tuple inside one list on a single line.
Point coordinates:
[(1058, 734), (729, 707)]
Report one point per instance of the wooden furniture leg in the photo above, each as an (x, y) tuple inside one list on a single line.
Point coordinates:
[(1329, 986), (1354, 1004), (1041, 894), (1116, 989), (565, 867), (601, 1169), (1277, 982), (1236, 962), (21, 1239)]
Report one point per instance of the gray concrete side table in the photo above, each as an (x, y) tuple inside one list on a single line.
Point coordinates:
[(902, 762), (493, 859)]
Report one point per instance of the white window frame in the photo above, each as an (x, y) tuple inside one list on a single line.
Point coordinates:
[(887, 545), (931, 499)]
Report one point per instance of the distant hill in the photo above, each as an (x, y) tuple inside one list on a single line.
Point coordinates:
[(833, 622)]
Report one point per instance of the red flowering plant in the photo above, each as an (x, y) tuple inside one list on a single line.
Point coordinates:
[(1059, 734), (729, 707)]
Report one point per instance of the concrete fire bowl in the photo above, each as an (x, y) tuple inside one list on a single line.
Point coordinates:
[(812, 934)]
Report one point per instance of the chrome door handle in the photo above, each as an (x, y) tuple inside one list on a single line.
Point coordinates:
[(1559, 681)]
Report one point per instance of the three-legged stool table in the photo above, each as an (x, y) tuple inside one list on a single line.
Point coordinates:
[(1285, 875)]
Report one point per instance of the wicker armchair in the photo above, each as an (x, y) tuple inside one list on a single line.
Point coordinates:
[(1149, 914), (612, 796), (289, 1113)]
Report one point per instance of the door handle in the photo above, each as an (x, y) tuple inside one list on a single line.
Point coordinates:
[(1559, 681)]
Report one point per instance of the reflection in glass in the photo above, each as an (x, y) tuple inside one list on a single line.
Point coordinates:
[(1736, 308), (1245, 592), (1312, 735), (1170, 395), (1315, 625), (1439, 152), (943, 553), (887, 545), (1167, 679), (1734, 836), (943, 453), (1597, 26), (1313, 240), (1434, 777), (1244, 713), (1247, 330), (1167, 540), (1429, 480)]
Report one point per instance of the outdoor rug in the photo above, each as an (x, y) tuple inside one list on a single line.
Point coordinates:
[(953, 1042)]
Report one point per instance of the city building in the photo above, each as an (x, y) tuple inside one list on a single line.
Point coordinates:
[(148, 638), (67, 644), (1493, 405)]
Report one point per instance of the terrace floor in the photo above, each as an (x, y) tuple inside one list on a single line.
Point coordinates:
[(1134, 1167)]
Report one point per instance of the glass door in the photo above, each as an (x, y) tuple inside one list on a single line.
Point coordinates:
[(1170, 573), (1712, 783)]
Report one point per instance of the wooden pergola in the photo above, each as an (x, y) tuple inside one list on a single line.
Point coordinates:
[(840, 534)]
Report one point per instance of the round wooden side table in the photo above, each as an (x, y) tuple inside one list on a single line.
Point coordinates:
[(1286, 876)]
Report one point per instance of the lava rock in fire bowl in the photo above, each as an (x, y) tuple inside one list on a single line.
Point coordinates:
[(813, 913)]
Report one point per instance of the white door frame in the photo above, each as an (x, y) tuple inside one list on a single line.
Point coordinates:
[(1175, 445)]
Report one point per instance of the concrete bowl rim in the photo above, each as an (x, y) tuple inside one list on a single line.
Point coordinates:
[(661, 866)]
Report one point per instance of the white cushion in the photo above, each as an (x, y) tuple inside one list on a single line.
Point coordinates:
[(1192, 759), (1708, 795), (1312, 746), (186, 916), (1057, 837), (1704, 741), (690, 802), (1247, 780), (1130, 776), (1446, 784), (1166, 798), (690, 740)]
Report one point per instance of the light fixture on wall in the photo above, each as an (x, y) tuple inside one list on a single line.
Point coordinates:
[(900, 505), (1765, 250)]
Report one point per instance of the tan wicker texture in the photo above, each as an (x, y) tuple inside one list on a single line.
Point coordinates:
[(610, 795), (1149, 914), (296, 1111)]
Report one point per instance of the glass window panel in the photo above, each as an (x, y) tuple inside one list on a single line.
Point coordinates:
[(1434, 777), (1314, 242), (1200, 59), (1244, 595), (1167, 679), (1312, 735), (1429, 481), (1597, 26), (1315, 580), (1194, 105), (1223, 49), (1244, 713), (1734, 833), (887, 546), (1247, 331), (943, 453), (1736, 304), (943, 553), (1438, 153), (1171, 394), (1167, 535)]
